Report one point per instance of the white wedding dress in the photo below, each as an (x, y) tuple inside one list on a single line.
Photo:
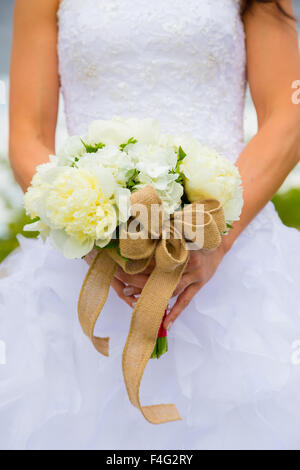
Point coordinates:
[(232, 363)]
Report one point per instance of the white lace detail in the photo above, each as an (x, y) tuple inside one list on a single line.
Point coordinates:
[(182, 62)]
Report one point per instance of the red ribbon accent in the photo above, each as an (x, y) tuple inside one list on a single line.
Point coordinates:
[(162, 332)]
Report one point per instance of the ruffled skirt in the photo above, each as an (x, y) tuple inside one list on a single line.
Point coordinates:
[(233, 366)]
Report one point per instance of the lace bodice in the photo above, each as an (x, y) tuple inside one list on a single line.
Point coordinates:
[(180, 61)]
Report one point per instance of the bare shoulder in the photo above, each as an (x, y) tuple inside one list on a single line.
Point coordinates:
[(272, 55), (271, 15), (271, 35), (34, 64)]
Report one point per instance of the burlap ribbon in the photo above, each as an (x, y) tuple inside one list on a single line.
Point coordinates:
[(167, 242)]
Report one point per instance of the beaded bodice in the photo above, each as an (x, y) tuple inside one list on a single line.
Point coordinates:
[(180, 61)]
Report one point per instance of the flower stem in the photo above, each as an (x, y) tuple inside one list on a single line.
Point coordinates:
[(161, 345)]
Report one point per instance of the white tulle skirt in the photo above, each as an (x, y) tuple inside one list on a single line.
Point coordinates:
[(232, 366)]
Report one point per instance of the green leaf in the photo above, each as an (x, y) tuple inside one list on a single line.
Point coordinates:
[(120, 254), (154, 354), (9, 244), (32, 221), (131, 173), (133, 178), (229, 226), (92, 148), (180, 179), (132, 140), (76, 159), (160, 348), (113, 245), (287, 205), (180, 157)]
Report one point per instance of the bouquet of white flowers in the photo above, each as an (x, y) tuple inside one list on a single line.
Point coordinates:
[(83, 197)]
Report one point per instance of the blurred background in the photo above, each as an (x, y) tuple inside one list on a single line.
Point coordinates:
[(12, 217)]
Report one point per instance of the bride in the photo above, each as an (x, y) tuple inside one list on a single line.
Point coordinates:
[(232, 366)]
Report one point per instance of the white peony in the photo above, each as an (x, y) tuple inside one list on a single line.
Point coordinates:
[(82, 195), (210, 175), (79, 205)]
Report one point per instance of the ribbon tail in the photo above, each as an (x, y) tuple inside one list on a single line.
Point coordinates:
[(145, 323), (93, 296)]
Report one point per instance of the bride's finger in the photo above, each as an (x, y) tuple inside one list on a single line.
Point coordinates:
[(136, 280), (128, 291), (182, 302), (187, 280), (195, 261), (119, 287)]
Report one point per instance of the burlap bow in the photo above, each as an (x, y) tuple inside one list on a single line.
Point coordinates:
[(167, 242)]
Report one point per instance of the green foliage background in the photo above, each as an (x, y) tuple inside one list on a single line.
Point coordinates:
[(288, 207), (9, 243)]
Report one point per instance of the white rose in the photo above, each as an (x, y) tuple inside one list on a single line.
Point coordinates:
[(72, 147), (118, 131), (171, 196), (153, 160), (114, 132), (146, 131), (169, 191), (209, 175), (118, 162), (190, 145)]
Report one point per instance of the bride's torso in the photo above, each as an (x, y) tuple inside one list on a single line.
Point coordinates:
[(180, 61)]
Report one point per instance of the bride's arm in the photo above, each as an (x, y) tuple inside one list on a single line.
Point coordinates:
[(34, 86), (273, 64)]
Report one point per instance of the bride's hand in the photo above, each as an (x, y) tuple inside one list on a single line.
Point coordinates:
[(201, 267), (128, 286)]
